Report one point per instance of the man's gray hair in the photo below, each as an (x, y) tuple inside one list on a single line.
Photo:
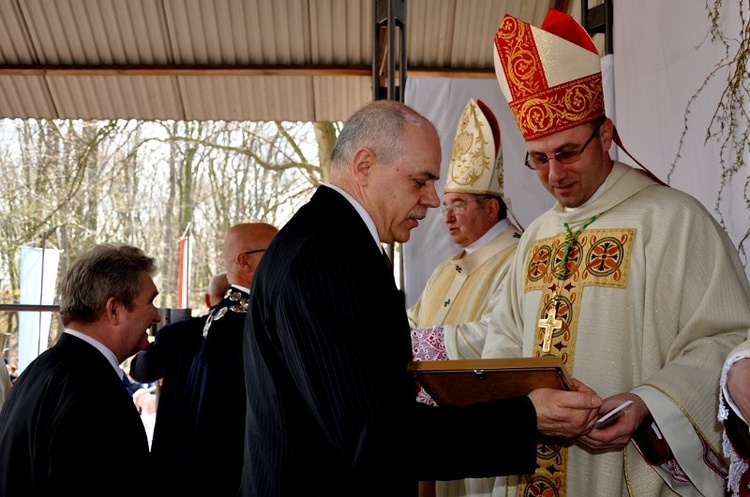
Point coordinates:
[(380, 126), (104, 271)]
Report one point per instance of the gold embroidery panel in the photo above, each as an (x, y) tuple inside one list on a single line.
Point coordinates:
[(596, 258)]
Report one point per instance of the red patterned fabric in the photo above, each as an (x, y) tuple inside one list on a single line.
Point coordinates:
[(522, 66), (541, 106), (428, 344)]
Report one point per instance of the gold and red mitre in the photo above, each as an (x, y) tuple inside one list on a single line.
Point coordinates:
[(550, 76), (476, 164)]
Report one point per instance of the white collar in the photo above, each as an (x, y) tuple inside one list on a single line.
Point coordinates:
[(240, 287), (491, 234)]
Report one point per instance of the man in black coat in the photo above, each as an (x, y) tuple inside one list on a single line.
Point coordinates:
[(69, 425), (200, 419), (169, 359), (331, 408)]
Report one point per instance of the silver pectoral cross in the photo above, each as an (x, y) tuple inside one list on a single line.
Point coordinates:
[(550, 324)]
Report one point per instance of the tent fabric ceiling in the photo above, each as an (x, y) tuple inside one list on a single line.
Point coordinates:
[(289, 60)]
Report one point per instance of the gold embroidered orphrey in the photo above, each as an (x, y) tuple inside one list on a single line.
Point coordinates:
[(598, 257)]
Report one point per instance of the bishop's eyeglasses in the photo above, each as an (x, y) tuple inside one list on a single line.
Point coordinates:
[(457, 207), (540, 161)]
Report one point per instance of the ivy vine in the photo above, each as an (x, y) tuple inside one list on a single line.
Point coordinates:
[(730, 123)]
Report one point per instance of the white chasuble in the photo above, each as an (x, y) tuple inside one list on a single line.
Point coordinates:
[(460, 293), (649, 299)]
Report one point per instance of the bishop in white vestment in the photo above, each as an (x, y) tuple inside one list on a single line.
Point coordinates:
[(633, 284), (653, 298), (450, 318)]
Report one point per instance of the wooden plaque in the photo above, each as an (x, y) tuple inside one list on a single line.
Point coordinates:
[(462, 382)]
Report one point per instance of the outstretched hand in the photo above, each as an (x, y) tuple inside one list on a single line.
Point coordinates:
[(565, 414)]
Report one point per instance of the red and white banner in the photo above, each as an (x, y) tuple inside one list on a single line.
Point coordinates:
[(183, 273)]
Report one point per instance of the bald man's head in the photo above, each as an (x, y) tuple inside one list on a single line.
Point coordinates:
[(244, 245), (217, 287)]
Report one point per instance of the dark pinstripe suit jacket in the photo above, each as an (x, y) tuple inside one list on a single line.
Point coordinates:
[(331, 408), (69, 427)]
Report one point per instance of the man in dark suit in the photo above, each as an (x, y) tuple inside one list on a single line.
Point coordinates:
[(200, 419), (331, 408), (69, 425)]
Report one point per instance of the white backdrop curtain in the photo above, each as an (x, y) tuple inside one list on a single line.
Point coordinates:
[(662, 55)]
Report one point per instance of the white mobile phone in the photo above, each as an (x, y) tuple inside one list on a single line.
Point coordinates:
[(612, 415)]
